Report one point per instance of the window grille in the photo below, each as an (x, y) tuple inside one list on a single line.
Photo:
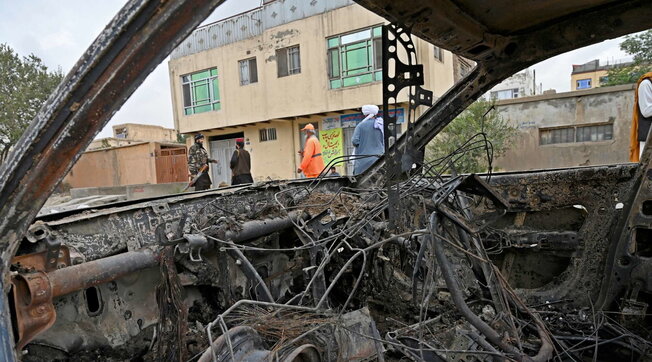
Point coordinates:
[(201, 92), (288, 61)]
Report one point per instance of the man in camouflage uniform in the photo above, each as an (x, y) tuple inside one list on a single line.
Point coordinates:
[(197, 158)]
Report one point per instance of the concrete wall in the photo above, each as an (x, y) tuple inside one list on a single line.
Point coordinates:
[(295, 95), (134, 164), (602, 105)]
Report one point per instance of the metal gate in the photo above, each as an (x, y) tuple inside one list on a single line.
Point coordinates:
[(171, 165), (221, 151)]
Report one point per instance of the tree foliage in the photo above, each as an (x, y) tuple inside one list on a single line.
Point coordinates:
[(25, 83), (465, 132), (640, 46), (625, 74), (181, 138)]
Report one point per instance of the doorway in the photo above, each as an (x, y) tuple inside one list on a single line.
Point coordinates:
[(222, 148)]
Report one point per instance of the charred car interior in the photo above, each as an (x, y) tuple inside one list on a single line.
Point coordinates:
[(407, 261)]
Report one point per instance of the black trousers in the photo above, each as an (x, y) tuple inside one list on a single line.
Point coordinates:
[(203, 182), (242, 179)]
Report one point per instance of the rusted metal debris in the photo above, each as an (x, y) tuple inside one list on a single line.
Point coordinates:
[(33, 308), (35, 287)]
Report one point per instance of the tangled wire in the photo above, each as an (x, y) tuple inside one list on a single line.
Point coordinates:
[(509, 329)]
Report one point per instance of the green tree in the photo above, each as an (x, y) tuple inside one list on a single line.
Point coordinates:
[(639, 46), (25, 83), (181, 138), (468, 126)]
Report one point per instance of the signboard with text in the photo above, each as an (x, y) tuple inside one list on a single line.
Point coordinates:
[(331, 144)]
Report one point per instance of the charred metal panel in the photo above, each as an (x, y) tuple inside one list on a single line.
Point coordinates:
[(103, 232), (397, 75), (125, 308), (547, 194), (628, 273)]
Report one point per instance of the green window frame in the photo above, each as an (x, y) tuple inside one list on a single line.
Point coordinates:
[(201, 92), (355, 58)]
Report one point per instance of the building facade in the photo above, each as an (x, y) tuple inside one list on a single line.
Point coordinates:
[(129, 133), (592, 74), (521, 84), (580, 128), (264, 74)]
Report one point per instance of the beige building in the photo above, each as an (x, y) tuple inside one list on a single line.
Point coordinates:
[(264, 74), (136, 154), (592, 74), (129, 133), (583, 128), (133, 164)]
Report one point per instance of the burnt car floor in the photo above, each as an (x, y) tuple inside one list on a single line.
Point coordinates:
[(408, 261)]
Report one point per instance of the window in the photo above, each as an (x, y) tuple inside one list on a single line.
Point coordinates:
[(604, 79), (288, 61), (557, 135), (583, 83), (201, 92), (355, 58), (589, 133), (505, 94), (267, 134), (120, 133), (603, 132), (439, 54), (248, 71)]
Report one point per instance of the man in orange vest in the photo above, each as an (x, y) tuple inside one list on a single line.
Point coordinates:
[(642, 118), (312, 163)]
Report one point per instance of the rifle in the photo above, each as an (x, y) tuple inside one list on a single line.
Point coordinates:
[(194, 179)]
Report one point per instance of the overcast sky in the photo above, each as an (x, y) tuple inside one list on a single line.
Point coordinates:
[(60, 31)]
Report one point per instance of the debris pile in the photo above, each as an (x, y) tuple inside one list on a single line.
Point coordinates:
[(320, 270), (430, 288)]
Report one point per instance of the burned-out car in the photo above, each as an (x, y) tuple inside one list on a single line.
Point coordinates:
[(406, 261)]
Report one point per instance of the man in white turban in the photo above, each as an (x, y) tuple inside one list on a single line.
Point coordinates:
[(368, 139)]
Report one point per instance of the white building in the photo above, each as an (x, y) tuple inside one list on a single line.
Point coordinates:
[(521, 84)]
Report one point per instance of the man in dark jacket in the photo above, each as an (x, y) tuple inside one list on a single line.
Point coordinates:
[(198, 158), (240, 164)]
